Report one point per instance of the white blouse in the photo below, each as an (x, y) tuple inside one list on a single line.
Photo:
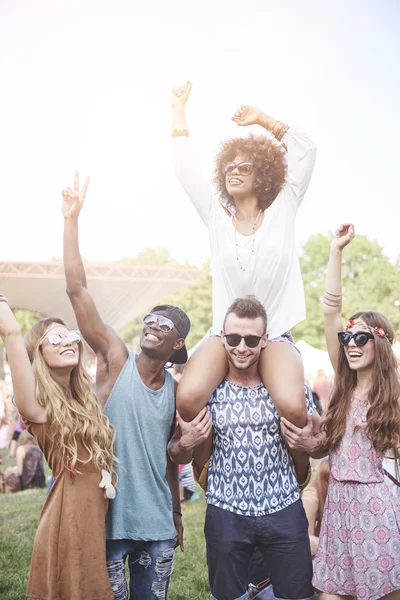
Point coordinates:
[(272, 271)]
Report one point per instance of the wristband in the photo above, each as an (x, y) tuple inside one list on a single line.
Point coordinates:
[(179, 131)]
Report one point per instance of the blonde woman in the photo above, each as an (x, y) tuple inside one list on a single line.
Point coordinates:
[(53, 393)]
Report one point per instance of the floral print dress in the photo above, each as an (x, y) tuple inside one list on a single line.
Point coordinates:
[(359, 544)]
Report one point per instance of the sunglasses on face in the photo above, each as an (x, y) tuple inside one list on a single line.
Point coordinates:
[(55, 339), (243, 168), (360, 338), (234, 339), (163, 323)]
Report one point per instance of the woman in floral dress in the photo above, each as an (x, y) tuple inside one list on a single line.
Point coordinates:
[(359, 546)]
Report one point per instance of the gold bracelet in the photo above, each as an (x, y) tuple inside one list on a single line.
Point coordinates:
[(279, 129), (332, 299), (330, 302), (180, 131), (334, 295)]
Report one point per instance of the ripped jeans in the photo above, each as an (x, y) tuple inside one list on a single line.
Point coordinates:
[(150, 568)]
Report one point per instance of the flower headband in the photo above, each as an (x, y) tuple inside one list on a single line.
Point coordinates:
[(377, 330)]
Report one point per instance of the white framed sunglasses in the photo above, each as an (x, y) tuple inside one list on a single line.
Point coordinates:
[(164, 323), (55, 339)]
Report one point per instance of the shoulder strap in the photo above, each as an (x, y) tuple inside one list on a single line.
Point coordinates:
[(391, 477)]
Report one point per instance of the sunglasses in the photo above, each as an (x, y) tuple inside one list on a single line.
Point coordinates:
[(243, 168), (55, 339), (163, 323), (234, 339), (360, 338)]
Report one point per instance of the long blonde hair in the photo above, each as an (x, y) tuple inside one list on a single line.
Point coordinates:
[(76, 415)]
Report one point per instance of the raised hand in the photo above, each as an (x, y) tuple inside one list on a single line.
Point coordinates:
[(73, 200), (343, 236), (180, 95), (247, 115)]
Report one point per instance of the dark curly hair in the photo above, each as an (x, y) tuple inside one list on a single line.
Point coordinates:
[(269, 159)]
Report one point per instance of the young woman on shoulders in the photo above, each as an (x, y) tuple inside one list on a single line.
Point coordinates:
[(261, 181)]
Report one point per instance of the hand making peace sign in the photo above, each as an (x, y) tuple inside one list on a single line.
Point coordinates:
[(73, 200)]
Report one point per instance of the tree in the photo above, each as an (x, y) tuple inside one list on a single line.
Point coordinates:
[(194, 299), (152, 256), (370, 282), (26, 319)]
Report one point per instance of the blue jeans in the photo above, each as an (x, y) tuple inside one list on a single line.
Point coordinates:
[(281, 537), (150, 568)]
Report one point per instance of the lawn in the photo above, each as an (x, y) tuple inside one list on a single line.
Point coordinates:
[(19, 514)]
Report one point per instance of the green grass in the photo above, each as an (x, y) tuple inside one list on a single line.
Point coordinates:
[(19, 515)]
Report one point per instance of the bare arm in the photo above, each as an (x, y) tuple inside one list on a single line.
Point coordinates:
[(310, 503), (333, 291), (172, 477), (20, 460), (185, 158), (100, 337), (202, 453), (251, 115), (300, 150), (180, 96), (21, 369)]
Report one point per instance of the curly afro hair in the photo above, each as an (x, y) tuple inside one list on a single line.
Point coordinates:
[(269, 159)]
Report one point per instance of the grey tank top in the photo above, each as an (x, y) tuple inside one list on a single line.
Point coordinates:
[(142, 508)]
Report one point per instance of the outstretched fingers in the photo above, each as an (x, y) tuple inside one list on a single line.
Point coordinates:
[(76, 182), (76, 186), (85, 187)]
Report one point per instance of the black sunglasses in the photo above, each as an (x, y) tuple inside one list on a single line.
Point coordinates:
[(234, 340), (243, 168), (360, 338)]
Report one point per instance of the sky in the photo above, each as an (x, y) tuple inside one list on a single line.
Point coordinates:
[(87, 85)]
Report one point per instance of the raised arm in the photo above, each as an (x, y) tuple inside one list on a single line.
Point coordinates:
[(22, 376), (100, 337), (333, 291), (301, 151), (185, 158)]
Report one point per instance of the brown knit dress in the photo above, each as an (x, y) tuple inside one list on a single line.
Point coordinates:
[(69, 554)]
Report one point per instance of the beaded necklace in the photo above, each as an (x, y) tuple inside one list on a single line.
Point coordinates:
[(251, 240)]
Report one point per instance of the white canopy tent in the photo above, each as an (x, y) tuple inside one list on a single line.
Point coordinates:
[(121, 291)]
